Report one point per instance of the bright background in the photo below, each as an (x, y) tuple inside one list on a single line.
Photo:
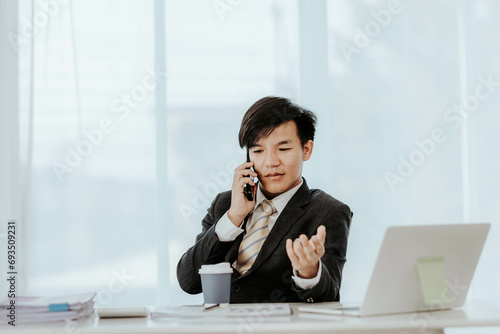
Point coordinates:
[(134, 202)]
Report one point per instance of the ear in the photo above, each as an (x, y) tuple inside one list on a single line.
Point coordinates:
[(307, 149)]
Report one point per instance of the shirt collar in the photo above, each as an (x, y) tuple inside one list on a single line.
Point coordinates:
[(279, 201)]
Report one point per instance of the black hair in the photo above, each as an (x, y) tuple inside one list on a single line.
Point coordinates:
[(268, 113)]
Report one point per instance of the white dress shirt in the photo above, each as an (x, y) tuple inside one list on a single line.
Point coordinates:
[(227, 231)]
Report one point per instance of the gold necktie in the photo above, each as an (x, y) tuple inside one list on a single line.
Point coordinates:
[(254, 238)]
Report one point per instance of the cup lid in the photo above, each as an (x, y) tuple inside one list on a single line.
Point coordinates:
[(219, 268)]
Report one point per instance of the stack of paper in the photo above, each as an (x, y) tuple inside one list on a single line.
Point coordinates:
[(22, 310)]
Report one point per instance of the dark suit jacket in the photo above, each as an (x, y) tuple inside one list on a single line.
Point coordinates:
[(269, 279)]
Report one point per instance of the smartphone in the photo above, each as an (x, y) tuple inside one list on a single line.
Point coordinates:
[(247, 189)]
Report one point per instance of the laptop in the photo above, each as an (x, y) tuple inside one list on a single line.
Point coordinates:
[(418, 268)]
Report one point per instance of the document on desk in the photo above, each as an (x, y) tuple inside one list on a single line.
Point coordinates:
[(235, 310), (26, 309)]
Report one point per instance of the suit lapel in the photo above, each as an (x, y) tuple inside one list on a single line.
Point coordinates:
[(291, 213)]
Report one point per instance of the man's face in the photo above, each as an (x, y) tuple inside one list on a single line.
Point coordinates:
[(278, 159)]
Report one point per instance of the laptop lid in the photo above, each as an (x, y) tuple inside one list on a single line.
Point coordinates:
[(426, 267)]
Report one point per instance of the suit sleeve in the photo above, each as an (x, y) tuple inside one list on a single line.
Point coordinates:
[(337, 223), (208, 249)]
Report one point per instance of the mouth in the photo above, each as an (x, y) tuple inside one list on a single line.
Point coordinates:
[(274, 176)]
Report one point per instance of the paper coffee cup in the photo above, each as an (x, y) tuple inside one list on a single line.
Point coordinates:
[(216, 282)]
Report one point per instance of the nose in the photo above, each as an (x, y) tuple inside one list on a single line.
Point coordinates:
[(271, 159)]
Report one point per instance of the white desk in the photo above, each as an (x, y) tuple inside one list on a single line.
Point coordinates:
[(473, 314)]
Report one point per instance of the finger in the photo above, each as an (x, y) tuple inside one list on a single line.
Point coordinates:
[(239, 169), (243, 167), (245, 180), (318, 245), (299, 251), (246, 172), (321, 233), (306, 245), (314, 241), (291, 254), (311, 242)]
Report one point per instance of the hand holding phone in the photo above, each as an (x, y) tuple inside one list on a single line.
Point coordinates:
[(242, 192)]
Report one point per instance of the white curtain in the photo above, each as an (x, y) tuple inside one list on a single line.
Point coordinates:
[(87, 86), (129, 113)]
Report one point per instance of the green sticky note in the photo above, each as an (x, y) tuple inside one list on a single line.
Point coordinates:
[(432, 279)]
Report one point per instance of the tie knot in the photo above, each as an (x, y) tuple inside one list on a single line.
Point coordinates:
[(268, 207)]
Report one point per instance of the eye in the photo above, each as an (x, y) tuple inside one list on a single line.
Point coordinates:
[(257, 151), (285, 149)]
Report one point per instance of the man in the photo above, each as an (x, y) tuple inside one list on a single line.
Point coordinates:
[(287, 244)]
